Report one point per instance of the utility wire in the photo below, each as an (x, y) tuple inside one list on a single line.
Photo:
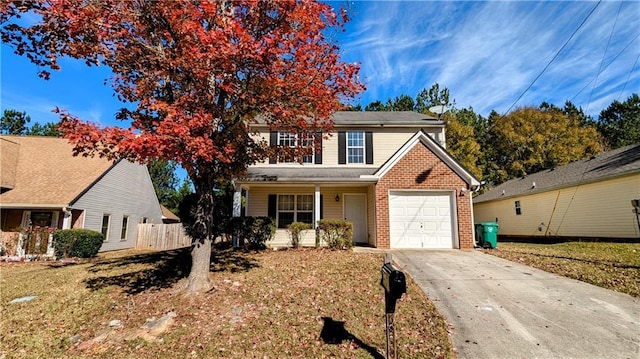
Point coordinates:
[(555, 56), (628, 77), (595, 84), (609, 64)]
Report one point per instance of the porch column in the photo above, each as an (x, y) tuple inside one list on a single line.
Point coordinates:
[(236, 211), (316, 210), (66, 219)]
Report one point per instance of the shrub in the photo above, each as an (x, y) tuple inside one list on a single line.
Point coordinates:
[(295, 230), (337, 233), (81, 243), (253, 232)]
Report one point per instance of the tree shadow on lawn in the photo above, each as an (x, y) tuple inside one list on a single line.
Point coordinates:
[(167, 268), (334, 332)]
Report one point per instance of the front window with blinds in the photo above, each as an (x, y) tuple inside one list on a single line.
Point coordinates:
[(355, 147), (294, 208)]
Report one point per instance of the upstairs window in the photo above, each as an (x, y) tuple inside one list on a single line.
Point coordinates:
[(291, 140), (355, 147), (518, 209)]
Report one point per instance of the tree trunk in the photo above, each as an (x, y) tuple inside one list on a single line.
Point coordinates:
[(198, 280)]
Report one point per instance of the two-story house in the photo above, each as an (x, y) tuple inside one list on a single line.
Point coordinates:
[(386, 172)]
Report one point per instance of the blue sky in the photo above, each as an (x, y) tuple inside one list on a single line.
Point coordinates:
[(486, 53)]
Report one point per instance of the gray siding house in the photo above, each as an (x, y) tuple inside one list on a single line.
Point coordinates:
[(45, 186)]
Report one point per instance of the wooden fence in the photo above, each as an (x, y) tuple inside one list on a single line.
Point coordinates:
[(162, 236)]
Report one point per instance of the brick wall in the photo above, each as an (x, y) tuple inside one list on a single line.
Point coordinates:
[(421, 169)]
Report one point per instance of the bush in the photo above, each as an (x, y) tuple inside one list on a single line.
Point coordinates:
[(337, 233), (295, 230), (81, 243), (253, 232)]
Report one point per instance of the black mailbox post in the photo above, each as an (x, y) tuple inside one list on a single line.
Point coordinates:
[(395, 285)]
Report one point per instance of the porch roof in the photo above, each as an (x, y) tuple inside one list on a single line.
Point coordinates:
[(302, 174)]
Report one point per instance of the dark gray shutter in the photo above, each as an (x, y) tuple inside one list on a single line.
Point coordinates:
[(273, 205), (368, 147), (318, 154), (321, 206), (273, 142), (342, 148)]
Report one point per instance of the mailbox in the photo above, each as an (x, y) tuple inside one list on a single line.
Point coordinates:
[(395, 285)]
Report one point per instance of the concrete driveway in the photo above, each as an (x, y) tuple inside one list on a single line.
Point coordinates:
[(501, 309)]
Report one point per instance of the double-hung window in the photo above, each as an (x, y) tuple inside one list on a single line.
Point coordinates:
[(294, 208), (292, 140), (355, 147), (106, 219)]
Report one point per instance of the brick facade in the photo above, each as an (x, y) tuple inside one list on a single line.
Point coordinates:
[(422, 169)]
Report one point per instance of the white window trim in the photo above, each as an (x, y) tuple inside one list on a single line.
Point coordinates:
[(106, 235), (363, 147), (295, 207), (125, 228), (284, 135)]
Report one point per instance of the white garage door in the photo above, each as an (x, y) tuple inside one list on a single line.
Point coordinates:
[(420, 220)]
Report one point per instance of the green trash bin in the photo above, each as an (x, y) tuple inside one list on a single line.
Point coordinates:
[(479, 233), (489, 235)]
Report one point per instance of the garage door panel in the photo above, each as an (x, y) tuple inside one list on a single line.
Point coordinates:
[(420, 220)]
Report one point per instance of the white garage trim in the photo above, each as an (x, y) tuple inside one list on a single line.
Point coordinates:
[(423, 219)]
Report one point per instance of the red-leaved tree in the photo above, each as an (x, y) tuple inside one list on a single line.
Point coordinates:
[(198, 75)]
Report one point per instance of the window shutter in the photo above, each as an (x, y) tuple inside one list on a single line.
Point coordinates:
[(321, 206), (273, 205), (368, 147), (342, 148), (318, 154), (273, 142)]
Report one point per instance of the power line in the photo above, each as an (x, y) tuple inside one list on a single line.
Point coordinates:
[(628, 76), (603, 56), (555, 56), (609, 64)]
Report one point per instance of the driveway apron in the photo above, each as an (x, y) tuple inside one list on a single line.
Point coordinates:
[(502, 309)]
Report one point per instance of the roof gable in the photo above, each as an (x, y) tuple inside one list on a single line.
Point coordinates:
[(422, 138), (619, 162), (46, 172)]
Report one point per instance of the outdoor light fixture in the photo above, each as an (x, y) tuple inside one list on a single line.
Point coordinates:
[(337, 198)]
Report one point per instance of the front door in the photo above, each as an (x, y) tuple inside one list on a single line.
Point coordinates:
[(355, 211)]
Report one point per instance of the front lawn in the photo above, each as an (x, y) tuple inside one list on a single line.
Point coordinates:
[(614, 266), (275, 304)]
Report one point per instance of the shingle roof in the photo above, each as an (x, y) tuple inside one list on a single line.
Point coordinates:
[(46, 172), (621, 161), (395, 118), (302, 174), (382, 118)]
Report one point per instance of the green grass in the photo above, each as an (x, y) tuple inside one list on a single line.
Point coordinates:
[(274, 304), (614, 266)]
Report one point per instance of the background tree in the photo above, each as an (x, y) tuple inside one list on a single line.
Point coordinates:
[(529, 140), (619, 123), (461, 138), (433, 96), (14, 122), (163, 176), (400, 103), (199, 75), (375, 106), (49, 129)]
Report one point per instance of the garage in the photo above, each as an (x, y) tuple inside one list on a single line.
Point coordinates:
[(421, 219)]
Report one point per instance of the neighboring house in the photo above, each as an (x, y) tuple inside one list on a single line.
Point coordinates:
[(386, 172), (168, 216), (598, 197), (44, 185)]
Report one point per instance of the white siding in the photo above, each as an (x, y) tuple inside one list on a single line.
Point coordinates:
[(126, 190), (601, 209)]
